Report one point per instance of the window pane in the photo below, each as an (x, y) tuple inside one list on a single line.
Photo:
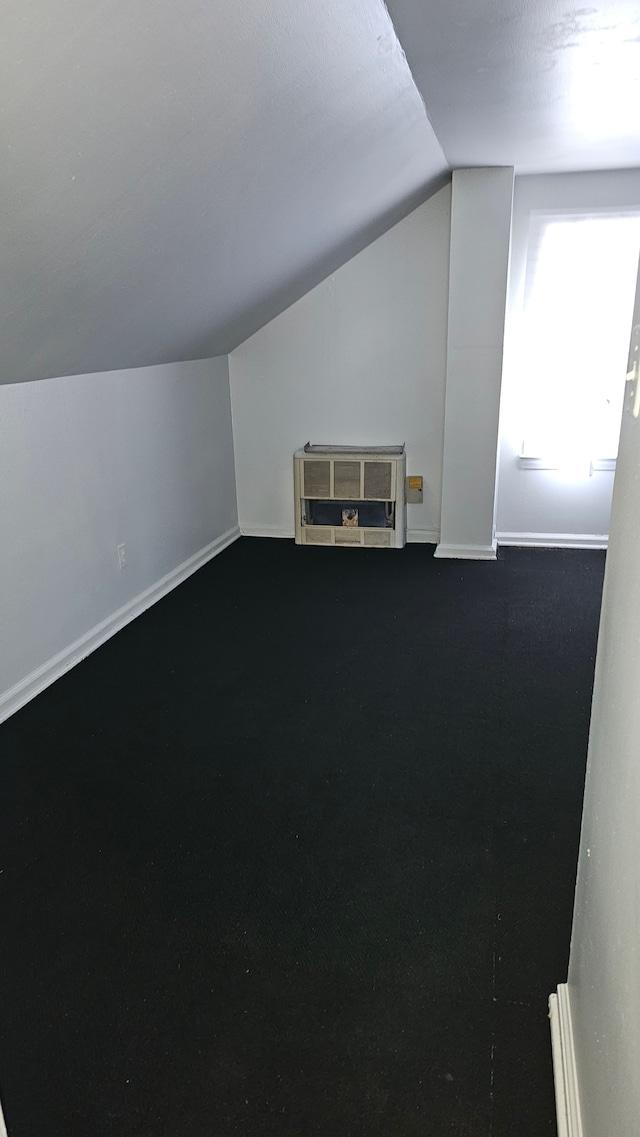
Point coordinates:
[(578, 309)]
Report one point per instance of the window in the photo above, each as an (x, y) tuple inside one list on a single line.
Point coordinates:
[(578, 308)]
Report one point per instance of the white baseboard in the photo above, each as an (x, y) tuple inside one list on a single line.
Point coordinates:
[(423, 536), (267, 531), (554, 540), (3, 1128), (27, 688), (467, 552), (564, 1065)]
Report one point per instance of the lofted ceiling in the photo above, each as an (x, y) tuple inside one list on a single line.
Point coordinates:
[(177, 171), (542, 85), (175, 174)]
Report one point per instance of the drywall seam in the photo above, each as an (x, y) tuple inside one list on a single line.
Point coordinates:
[(555, 540), (27, 688), (466, 552), (564, 1065)]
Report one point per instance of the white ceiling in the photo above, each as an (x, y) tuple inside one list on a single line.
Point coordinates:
[(542, 85), (176, 173)]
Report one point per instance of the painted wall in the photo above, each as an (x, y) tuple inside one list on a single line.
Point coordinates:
[(540, 504), (359, 360), (143, 457), (480, 233), (604, 966)]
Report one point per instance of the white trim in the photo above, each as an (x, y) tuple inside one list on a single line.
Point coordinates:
[(423, 536), (526, 462), (555, 540), (3, 1127), (564, 1065), (467, 552), (27, 688), (267, 531)]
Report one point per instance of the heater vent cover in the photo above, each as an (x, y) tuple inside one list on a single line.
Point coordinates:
[(378, 481), (318, 535), (317, 478), (347, 536), (329, 484), (346, 479), (378, 538)]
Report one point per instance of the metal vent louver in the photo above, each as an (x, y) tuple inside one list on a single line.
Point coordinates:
[(347, 536), (317, 479), (346, 479), (378, 538), (317, 535), (377, 480)]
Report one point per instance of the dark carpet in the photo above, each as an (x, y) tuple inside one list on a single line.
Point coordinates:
[(294, 853)]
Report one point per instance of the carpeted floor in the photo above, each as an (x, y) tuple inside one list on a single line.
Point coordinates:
[(294, 853)]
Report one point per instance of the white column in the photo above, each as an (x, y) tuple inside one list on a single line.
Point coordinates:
[(480, 235), (604, 967)]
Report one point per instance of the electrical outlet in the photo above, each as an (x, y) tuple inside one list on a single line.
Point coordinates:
[(122, 556)]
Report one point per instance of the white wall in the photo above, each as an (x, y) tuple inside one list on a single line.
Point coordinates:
[(143, 457), (604, 966), (541, 505), (360, 360), (480, 232)]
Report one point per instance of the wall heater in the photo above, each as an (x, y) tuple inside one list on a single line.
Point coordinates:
[(352, 496)]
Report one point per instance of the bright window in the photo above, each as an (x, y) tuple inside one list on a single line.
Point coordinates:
[(578, 308)]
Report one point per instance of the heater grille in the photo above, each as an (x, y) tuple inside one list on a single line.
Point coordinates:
[(317, 535), (317, 479), (346, 479), (378, 480), (380, 538), (347, 536)]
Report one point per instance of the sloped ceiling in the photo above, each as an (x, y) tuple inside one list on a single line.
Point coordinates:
[(175, 173), (542, 85)]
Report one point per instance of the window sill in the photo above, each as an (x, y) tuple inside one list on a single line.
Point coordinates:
[(527, 463)]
